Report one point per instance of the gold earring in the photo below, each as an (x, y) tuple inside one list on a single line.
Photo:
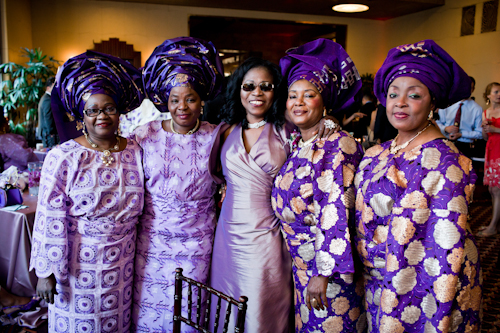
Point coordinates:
[(83, 128), (487, 101), (118, 131), (431, 115), (324, 112)]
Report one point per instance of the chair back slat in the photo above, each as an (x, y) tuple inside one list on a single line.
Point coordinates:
[(203, 327)]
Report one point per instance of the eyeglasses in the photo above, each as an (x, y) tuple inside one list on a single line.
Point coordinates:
[(110, 110), (264, 86)]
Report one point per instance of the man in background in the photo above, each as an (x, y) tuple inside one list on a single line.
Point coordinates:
[(461, 123), (48, 130)]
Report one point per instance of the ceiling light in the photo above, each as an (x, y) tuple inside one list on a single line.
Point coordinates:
[(350, 8)]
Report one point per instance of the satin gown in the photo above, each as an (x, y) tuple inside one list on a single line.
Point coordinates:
[(250, 257)]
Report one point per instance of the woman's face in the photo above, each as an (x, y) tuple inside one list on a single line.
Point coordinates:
[(184, 105), (257, 102), (102, 126), (304, 104), (408, 104), (494, 95)]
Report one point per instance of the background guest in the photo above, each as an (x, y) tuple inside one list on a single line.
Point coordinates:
[(491, 132), (461, 123), (48, 130), (422, 269), (14, 150), (180, 166), (313, 194), (91, 195)]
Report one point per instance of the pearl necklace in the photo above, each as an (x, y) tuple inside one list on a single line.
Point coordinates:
[(257, 125), (308, 142), (394, 149), (191, 131), (107, 159)]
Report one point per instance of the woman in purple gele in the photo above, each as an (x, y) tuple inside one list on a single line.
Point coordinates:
[(91, 195), (421, 263), (313, 193), (180, 165)]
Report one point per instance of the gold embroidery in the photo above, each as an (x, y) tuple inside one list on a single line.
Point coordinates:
[(335, 193), (298, 205), (329, 216), (444, 324), (380, 234), (469, 190), (333, 324), (317, 156), (454, 174), (415, 199), (354, 313), (392, 263), (288, 215), (415, 252), (348, 174), (410, 314), (405, 280), (451, 145), (373, 151), (445, 287), (446, 234), (433, 183), (300, 264), (388, 301), (339, 158), (420, 216), (347, 145), (303, 172), (458, 204), (471, 251), (402, 229), (280, 202), (465, 163), (348, 198), (455, 259), (325, 181), (397, 177), (306, 190), (390, 324), (288, 229), (340, 305), (431, 158), (286, 181)]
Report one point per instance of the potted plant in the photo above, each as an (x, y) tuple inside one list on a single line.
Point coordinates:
[(21, 88)]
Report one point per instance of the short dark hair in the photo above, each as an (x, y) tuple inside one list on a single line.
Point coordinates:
[(233, 111), (472, 79), (50, 81)]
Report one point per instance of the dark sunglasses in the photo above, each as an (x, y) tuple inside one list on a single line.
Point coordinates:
[(264, 86), (110, 110)]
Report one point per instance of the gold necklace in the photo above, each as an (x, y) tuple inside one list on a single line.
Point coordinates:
[(308, 142), (394, 149), (191, 131), (107, 159)]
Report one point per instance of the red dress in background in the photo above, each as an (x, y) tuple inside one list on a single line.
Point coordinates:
[(492, 156)]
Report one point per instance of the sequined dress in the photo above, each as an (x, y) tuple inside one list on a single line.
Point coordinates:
[(492, 156), (313, 196), (422, 271), (84, 234), (177, 226)]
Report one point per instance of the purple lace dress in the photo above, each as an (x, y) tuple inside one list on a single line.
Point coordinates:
[(84, 234), (313, 196), (177, 226), (422, 270)]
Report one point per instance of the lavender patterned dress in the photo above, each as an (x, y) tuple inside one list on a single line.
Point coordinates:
[(313, 196), (422, 270), (84, 234), (177, 227)]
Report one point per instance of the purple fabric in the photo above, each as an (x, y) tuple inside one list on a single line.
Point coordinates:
[(14, 151), (328, 67), (97, 73), (422, 270), (321, 175), (183, 62), (85, 234), (427, 62), (177, 226), (250, 256)]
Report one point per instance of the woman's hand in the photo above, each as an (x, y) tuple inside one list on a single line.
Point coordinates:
[(326, 128), (46, 288), (316, 289), (222, 192)]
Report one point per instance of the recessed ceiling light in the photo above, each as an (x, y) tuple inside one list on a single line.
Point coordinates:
[(350, 8)]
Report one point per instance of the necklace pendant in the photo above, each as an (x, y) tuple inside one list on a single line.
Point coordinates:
[(106, 153)]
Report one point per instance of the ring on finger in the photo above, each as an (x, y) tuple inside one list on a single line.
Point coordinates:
[(330, 124), (314, 303)]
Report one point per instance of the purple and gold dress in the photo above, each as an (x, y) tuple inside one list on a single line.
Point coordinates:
[(422, 269), (313, 196), (250, 257), (84, 234), (177, 226)]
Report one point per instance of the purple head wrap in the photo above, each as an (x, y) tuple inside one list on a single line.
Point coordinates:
[(96, 73), (430, 64), (182, 62), (328, 67)]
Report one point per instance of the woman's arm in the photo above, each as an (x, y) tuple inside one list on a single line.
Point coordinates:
[(333, 195)]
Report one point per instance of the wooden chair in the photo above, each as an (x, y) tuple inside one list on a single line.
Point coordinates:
[(203, 327)]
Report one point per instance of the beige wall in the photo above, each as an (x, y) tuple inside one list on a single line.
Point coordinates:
[(64, 28), (478, 54), (19, 28)]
